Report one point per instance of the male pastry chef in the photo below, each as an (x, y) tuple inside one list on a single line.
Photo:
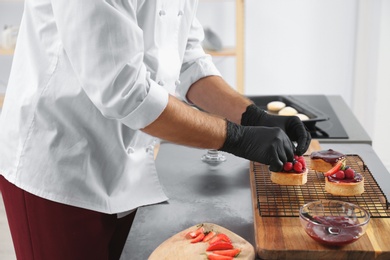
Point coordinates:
[(94, 85)]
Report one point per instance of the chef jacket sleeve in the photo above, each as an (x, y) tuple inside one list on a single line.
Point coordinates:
[(196, 63), (105, 47)]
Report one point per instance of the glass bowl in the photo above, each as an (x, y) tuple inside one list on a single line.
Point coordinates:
[(333, 222)]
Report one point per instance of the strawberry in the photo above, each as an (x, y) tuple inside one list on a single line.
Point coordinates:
[(209, 236), (218, 257), (349, 173), (301, 159), (194, 233), (199, 238), (229, 252), (335, 168), (298, 167), (288, 166), (220, 237), (219, 245)]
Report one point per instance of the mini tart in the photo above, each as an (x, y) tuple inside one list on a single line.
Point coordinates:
[(344, 188), (287, 178), (324, 160)]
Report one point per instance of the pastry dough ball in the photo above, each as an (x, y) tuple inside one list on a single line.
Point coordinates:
[(303, 117), (288, 111), (275, 106)]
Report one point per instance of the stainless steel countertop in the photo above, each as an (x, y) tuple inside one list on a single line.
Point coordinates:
[(201, 193)]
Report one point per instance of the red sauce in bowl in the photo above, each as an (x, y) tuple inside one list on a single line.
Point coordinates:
[(339, 231)]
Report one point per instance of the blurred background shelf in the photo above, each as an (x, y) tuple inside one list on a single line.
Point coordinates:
[(238, 50), (227, 51), (6, 51)]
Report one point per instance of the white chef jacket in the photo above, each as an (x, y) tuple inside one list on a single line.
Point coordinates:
[(86, 76)]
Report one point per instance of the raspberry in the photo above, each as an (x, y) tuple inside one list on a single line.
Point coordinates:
[(301, 159), (340, 175), (288, 166), (298, 167), (349, 173)]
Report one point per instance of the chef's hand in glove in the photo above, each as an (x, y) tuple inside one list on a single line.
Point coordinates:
[(291, 125), (267, 145)]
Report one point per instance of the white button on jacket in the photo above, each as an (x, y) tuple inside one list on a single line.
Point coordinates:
[(83, 82)]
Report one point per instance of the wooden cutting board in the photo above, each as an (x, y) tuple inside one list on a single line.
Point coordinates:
[(178, 247), (284, 238)]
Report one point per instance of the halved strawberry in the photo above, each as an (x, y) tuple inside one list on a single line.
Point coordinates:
[(209, 236), (198, 238), (219, 245), (194, 233), (220, 237), (335, 168), (228, 252), (218, 257)]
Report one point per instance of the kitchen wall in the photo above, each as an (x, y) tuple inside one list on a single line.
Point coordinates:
[(300, 47), (371, 88), (318, 47)]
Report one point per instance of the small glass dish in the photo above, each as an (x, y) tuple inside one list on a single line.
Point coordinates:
[(333, 222), (213, 157)]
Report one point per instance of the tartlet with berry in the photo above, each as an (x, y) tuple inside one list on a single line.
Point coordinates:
[(342, 180), (324, 160), (293, 173)]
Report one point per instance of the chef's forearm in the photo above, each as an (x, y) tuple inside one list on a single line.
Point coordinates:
[(214, 95), (182, 124)]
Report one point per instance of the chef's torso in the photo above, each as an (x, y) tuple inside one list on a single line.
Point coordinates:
[(86, 77)]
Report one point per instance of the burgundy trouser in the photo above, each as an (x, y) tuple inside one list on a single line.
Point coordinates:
[(43, 229)]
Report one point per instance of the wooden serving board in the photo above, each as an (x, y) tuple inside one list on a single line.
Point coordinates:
[(179, 247), (284, 238)]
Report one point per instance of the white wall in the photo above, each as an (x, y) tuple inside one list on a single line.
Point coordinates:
[(382, 104), (317, 47), (300, 47), (371, 91)]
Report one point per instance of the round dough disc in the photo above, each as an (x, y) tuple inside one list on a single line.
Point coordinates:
[(288, 111), (275, 105), (303, 117)]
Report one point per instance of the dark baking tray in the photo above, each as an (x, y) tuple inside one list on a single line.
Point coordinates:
[(314, 114)]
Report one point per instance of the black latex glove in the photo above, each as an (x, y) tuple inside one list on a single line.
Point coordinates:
[(267, 145), (291, 125)]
